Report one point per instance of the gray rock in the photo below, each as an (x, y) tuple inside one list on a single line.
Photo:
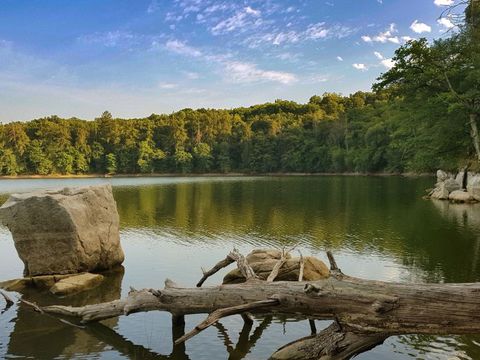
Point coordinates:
[(65, 231), (473, 187), (451, 185), (76, 283), (460, 196), (440, 192), (441, 176)]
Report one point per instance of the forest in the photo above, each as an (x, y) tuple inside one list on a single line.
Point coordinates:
[(420, 116)]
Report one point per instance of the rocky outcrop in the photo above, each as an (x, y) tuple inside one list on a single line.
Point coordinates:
[(65, 231), (462, 187), (263, 261)]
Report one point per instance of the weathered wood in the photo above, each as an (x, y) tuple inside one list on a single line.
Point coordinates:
[(277, 267), (220, 265), (302, 267), (8, 300), (365, 312), (243, 265), (359, 305), (330, 344), (220, 313)]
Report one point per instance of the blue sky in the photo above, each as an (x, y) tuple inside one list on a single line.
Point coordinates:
[(137, 57)]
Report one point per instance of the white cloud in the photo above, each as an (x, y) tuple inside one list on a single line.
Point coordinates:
[(407, 38), (385, 36), (420, 28), (378, 55), (361, 67), (181, 48), (388, 63), (167, 85), (339, 58), (446, 23), (247, 72), (443, 2)]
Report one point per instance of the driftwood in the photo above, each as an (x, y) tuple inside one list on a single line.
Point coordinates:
[(364, 312)]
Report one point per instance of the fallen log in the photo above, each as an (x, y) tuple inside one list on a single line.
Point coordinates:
[(365, 312)]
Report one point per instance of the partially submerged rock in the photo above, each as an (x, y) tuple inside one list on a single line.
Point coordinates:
[(459, 188), (56, 284), (76, 283), (460, 196), (263, 261), (65, 231)]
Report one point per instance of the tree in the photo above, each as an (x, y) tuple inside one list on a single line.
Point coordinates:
[(202, 156), (448, 70), (183, 160), (111, 163)]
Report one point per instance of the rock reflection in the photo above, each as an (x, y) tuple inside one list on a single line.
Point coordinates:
[(40, 336)]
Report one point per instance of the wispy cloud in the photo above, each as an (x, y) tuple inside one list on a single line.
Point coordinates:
[(359, 66), (233, 70), (111, 38), (242, 19), (313, 32), (182, 48)]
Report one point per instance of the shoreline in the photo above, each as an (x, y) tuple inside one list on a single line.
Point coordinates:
[(167, 175)]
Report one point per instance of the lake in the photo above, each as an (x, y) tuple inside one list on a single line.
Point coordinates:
[(377, 227)]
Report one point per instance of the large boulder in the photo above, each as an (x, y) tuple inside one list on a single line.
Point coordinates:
[(440, 192), (65, 231), (460, 196), (473, 186), (441, 176), (451, 185), (263, 261)]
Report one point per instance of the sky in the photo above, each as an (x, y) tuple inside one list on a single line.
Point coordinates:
[(138, 57)]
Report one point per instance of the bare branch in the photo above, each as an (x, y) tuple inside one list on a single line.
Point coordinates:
[(220, 265), (220, 313)]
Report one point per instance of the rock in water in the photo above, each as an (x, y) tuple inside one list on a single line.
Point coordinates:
[(263, 261), (460, 196), (65, 231)]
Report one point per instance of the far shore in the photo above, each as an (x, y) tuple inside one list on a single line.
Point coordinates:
[(107, 176)]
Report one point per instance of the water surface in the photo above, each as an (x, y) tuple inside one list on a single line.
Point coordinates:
[(378, 228)]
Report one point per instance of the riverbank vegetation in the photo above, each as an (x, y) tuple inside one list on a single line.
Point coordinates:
[(422, 115)]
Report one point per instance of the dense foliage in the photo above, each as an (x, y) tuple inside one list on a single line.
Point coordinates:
[(422, 116)]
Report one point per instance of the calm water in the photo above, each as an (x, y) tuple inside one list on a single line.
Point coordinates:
[(379, 228)]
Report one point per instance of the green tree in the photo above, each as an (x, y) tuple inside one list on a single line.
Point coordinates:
[(111, 163)]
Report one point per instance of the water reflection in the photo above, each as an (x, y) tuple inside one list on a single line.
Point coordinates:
[(48, 338), (379, 228)]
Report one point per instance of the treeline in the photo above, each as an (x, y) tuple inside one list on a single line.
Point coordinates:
[(422, 116), (364, 132)]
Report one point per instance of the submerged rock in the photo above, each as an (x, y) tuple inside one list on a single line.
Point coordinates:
[(76, 283), (263, 261), (65, 231)]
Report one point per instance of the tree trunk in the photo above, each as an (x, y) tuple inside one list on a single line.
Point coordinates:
[(474, 134), (365, 312)]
